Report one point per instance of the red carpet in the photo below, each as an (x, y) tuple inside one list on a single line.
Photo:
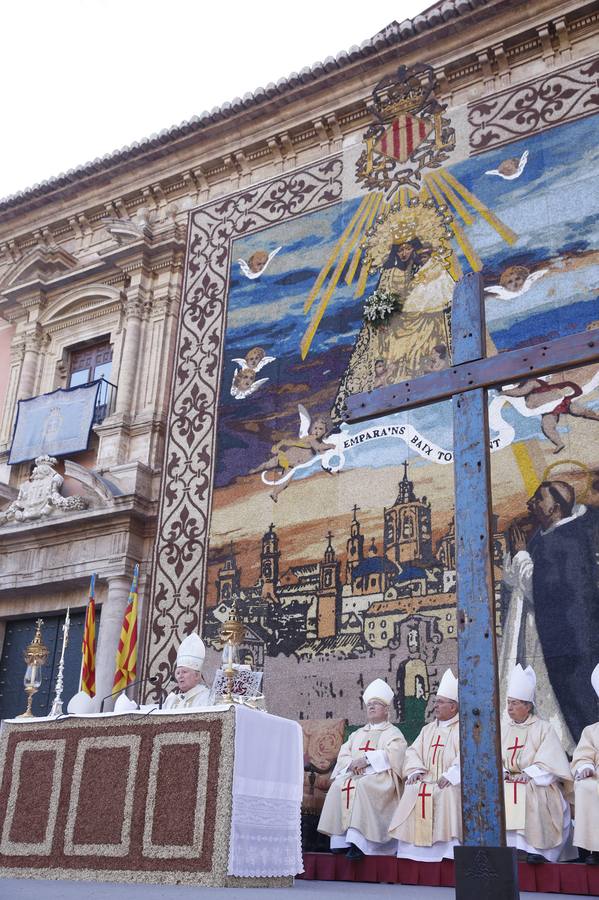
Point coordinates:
[(559, 878)]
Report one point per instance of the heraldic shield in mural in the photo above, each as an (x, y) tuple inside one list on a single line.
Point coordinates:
[(339, 539)]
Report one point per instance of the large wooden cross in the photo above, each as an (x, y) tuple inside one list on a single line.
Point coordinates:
[(467, 382)]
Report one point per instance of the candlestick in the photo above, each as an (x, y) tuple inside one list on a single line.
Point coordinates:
[(57, 704)]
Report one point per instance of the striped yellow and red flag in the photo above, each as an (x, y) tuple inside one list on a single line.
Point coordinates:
[(88, 647), (126, 655)]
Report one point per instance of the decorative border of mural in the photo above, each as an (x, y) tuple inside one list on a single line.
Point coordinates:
[(179, 566), (570, 93)]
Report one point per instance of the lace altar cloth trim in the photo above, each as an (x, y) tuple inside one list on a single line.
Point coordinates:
[(268, 779)]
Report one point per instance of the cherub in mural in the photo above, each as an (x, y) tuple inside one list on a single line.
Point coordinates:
[(244, 381), (510, 168), (257, 264), (515, 281), (383, 373), (255, 359), (437, 360), (292, 454), (551, 397), (411, 248)]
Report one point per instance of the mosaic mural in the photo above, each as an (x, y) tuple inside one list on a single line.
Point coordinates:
[(339, 539)]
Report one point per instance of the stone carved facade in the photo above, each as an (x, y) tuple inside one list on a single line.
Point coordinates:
[(40, 496)]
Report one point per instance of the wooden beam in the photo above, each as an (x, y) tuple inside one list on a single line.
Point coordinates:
[(480, 744), (511, 365)]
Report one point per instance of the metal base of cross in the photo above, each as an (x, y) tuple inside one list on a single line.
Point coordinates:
[(489, 872)]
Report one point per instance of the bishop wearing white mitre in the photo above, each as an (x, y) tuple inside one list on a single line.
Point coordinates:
[(585, 766), (428, 820), (188, 675), (366, 781), (536, 775)]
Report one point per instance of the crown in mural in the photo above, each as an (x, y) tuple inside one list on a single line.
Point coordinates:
[(421, 223)]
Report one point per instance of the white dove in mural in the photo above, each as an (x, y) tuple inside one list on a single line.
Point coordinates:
[(258, 263), (509, 169), (503, 293)]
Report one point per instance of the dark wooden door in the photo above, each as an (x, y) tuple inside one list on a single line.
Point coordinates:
[(19, 633)]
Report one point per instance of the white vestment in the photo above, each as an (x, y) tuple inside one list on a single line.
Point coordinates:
[(428, 820), (358, 808), (538, 809), (194, 697), (586, 791)]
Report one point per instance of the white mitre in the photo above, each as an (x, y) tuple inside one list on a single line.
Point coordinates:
[(522, 684), (448, 686), (191, 652), (378, 690), (595, 679), (80, 704), (124, 704)]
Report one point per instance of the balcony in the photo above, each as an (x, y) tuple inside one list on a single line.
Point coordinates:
[(105, 401)]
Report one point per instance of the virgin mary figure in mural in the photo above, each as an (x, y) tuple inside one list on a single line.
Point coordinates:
[(406, 325)]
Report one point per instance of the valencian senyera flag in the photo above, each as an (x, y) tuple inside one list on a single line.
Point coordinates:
[(88, 648), (126, 655)]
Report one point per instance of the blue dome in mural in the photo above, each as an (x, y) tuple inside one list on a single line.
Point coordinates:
[(372, 565), (410, 572)]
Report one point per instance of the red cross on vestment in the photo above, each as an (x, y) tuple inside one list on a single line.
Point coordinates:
[(436, 747), (348, 787), (515, 783), (515, 747), (367, 747), (423, 795)]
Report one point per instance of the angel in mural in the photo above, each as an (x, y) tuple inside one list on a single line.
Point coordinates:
[(551, 397), (244, 382), (257, 263), (514, 281), (511, 168), (292, 454), (410, 246)]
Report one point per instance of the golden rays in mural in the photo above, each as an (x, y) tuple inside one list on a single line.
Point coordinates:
[(457, 206)]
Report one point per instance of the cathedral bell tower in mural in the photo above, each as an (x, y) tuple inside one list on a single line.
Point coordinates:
[(355, 547), (408, 535), (329, 592), (269, 564), (227, 583)]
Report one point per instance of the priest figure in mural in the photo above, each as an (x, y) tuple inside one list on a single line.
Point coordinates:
[(366, 782), (428, 820), (537, 775)]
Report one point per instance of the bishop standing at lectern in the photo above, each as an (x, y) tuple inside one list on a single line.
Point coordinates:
[(191, 691), (428, 820), (366, 781)]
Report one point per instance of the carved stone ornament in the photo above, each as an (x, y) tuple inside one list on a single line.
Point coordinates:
[(39, 497)]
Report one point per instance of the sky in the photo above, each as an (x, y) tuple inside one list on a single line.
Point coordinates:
[(82, 78)]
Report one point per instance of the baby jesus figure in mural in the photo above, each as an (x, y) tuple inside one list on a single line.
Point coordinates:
[(291, 454), (411, 249)]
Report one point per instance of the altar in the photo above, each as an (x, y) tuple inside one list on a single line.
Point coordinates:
[(208, 797)]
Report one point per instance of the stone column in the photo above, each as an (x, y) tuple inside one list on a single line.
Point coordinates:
[(28, 378), (111, 621), (129, 358)]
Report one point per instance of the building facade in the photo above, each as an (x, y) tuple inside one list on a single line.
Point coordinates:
[(212, 278)]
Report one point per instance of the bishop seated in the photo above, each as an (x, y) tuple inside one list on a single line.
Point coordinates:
[(192, 692), (585, 767), (536, 775), (428, 820), (366, 781)]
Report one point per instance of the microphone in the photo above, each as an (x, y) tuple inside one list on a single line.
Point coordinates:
[(153, 679)]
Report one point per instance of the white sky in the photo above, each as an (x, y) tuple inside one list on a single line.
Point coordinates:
[(81, 78)]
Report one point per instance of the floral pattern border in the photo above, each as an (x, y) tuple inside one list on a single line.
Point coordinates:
[(179, 566)]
